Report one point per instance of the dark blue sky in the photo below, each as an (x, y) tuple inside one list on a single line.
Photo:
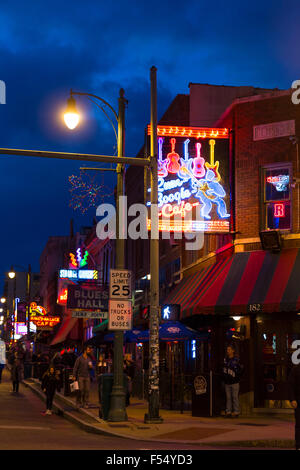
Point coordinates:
[(46, 48)]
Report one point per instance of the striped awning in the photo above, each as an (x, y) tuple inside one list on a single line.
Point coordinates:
[(248, 282)]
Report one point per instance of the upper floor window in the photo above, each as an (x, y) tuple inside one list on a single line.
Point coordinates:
[(277, 197)]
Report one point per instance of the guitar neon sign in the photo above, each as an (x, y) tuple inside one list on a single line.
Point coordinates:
[(195, 177), (78, 261)]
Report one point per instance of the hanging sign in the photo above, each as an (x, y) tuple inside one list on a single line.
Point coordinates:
[(193, 180), (86, 298)]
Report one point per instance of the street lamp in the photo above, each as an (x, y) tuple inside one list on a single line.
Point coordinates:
[(117, 410), (13, 275), (3, 300), (71, 116)]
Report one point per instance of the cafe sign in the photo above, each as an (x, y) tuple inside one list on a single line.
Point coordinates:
[(40, 317)]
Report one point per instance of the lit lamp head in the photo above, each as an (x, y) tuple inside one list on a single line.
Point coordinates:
[(3, 300), (71, 116), (11, 274)]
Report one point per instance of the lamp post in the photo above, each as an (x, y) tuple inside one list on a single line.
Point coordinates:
[(117, 410), (13, 275)]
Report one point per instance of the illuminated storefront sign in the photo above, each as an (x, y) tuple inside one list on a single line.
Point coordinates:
[(40, 317), (83, 274), (193, 172), (45, 322)]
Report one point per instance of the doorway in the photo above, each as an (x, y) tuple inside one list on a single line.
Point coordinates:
[(274, 359)]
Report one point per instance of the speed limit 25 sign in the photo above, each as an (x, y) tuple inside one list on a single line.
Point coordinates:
[(120, 286)]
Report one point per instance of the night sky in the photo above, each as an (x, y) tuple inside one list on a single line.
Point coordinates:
[(48, 47)]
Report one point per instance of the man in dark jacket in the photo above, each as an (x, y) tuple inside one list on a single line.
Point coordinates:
[(294, 397), (232, 371), (81, 373)]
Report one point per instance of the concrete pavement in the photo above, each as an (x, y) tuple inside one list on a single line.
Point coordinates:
[(253, 431)]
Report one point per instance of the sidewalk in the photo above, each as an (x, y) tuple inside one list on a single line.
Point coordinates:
[(253, 431)]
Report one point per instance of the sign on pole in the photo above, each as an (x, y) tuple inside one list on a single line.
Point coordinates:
[(89, 314), (120, 286), (120, 315)]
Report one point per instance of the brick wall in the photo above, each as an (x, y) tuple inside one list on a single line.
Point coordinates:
[(251, 155)]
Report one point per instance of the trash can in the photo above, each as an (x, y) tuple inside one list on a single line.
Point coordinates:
[(206, 399), (105, 386)]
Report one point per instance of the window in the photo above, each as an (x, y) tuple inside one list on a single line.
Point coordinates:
[(277, 197)]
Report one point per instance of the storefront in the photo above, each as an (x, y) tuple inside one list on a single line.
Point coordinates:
[(250, 299)]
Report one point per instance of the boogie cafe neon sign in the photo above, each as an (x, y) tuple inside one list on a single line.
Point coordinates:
[(185, 182)]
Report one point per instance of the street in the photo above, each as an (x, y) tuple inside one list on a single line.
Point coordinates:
[(23, 427)]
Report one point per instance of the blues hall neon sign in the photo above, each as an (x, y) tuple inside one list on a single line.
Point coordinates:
[(186, 181)]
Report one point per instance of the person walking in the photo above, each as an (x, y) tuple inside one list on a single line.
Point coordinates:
[(81, 373), (2, 357), (129, 371), (17, 372), (232, 371), (294, 397), (50, 383)]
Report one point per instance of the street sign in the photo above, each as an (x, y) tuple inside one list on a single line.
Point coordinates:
[(89, 314), (87, 299), (120, 285), (120, 315)]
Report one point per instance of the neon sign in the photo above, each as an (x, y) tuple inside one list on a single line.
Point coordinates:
[(195, 132), (63, 297), (280, 182), (187, 180), (36, 310), (82, 274), (279, 210), (77, 261), (45, 321)]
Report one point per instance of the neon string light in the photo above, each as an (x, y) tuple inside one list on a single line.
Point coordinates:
[(73, 260), (78, 256), (197, 132)]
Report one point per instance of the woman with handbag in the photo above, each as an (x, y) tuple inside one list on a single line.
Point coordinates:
[(50, 383)]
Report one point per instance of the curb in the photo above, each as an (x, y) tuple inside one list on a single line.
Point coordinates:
[(278, 444)]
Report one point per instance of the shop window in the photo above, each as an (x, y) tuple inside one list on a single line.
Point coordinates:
[(277, 197)]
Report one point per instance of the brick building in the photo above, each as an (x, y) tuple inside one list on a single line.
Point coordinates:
[(235, 288)]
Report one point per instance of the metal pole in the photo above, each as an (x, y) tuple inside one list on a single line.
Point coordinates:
[(117, 410), (153, 411), (28, 299)]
